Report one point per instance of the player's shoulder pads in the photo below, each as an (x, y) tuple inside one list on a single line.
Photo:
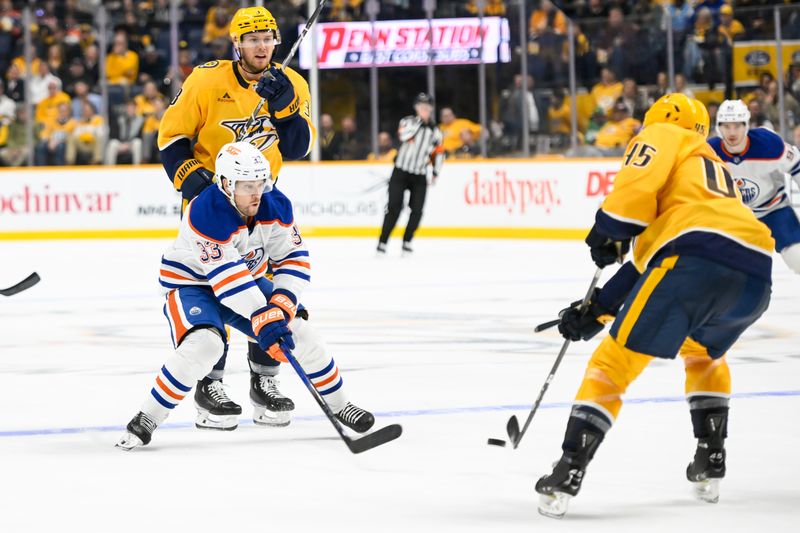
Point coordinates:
[(212, 216)]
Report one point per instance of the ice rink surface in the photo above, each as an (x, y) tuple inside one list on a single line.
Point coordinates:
[(441, 343)]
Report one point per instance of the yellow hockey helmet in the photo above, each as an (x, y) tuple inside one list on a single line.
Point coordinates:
[(680, 110), (250, 19)]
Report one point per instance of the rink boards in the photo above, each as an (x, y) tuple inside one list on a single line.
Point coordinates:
[(551, 198)]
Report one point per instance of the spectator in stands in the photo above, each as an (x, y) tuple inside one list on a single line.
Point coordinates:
[(729, 27), (351, 145), (559, 114), (796, 136), (491, 8), (52, 146), (74, 74), (469, 147), (607, 90), (660, 89), (128, 139), (48, 108), (14, 149), (597, 120), (152, 65), (146, 101), (547, 28), (712, 107), (8, 113), (55, 60), (615, 134), (386, 149), (10, 32), (122, 63), (345, 10), (91, 58), (328, 138), (452, 126), (41, 82), (150, 132), (757, 117), (771, 109), (82, 96), (218, 21), (634, 100), (512, 114), (85, 143), (792, 80), (193, 17), (681, 87), (15, 85), (615, 43)]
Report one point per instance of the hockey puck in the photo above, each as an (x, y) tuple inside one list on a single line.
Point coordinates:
[(496, 442)]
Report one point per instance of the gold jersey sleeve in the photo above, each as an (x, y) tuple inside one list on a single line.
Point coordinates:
[(213, 106), (672, 184)]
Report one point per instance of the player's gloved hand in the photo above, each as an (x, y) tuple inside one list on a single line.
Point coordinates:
[(192, 178), (271, 329), (282, 101), (606, 251), (583, 323)]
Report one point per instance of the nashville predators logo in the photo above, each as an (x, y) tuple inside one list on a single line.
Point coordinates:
[(261, 133)]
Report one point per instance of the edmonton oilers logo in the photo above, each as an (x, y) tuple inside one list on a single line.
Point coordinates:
[(749, 189), (253, 258)]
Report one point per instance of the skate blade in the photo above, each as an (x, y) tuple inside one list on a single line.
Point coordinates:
[(554, 505), (128, 442), (707, 490), (264, 417), (206, 420)]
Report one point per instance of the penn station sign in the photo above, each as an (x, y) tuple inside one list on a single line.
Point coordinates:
[(403, 43)]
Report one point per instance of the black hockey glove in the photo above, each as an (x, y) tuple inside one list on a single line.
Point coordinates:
[(583, 324), (606, 251), (282, 101), (191, 179)]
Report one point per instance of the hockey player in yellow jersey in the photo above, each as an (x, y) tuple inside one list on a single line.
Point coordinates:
[(699, 277), (212, 108)]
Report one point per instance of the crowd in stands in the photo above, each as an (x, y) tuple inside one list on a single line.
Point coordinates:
[(620, 53)]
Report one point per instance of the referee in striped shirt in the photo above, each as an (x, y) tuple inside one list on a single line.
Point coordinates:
[(420, 150)]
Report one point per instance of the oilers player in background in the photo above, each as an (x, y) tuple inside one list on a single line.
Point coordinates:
[(759, 161), (211, 108), (699, 277), (213, 286)]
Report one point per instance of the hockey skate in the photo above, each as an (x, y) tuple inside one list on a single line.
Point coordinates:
[(408, 251), (558, 488), (138, 432), (356, 418), (214, 409), (270, 407), (708, 466)]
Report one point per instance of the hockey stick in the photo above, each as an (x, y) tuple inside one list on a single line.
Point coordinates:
[(311, 20), (367, 442), (512, 428), (26, 283), (546, 325)]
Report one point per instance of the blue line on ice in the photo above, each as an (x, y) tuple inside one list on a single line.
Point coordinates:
[(388, 414)]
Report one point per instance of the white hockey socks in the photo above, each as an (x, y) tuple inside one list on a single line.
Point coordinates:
[(194, 358), (321, 369)]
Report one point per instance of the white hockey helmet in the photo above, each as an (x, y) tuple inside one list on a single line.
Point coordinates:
[(733, 111), (241, 161)]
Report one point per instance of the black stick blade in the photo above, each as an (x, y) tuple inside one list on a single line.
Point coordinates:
[(382, 436), (512, 428), (546, 325), (26, 283)]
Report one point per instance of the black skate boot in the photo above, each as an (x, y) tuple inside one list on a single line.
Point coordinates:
[(356, 418), (270, 407), (708, 466), (214, 409), (138, 432), (565, 482)]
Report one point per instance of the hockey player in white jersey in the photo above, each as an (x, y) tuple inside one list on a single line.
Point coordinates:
[(214, 272), (759, 161)]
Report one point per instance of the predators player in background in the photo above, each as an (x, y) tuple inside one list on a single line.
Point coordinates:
[(215, 284), (700, 276), (759, 161), (211, 109)]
